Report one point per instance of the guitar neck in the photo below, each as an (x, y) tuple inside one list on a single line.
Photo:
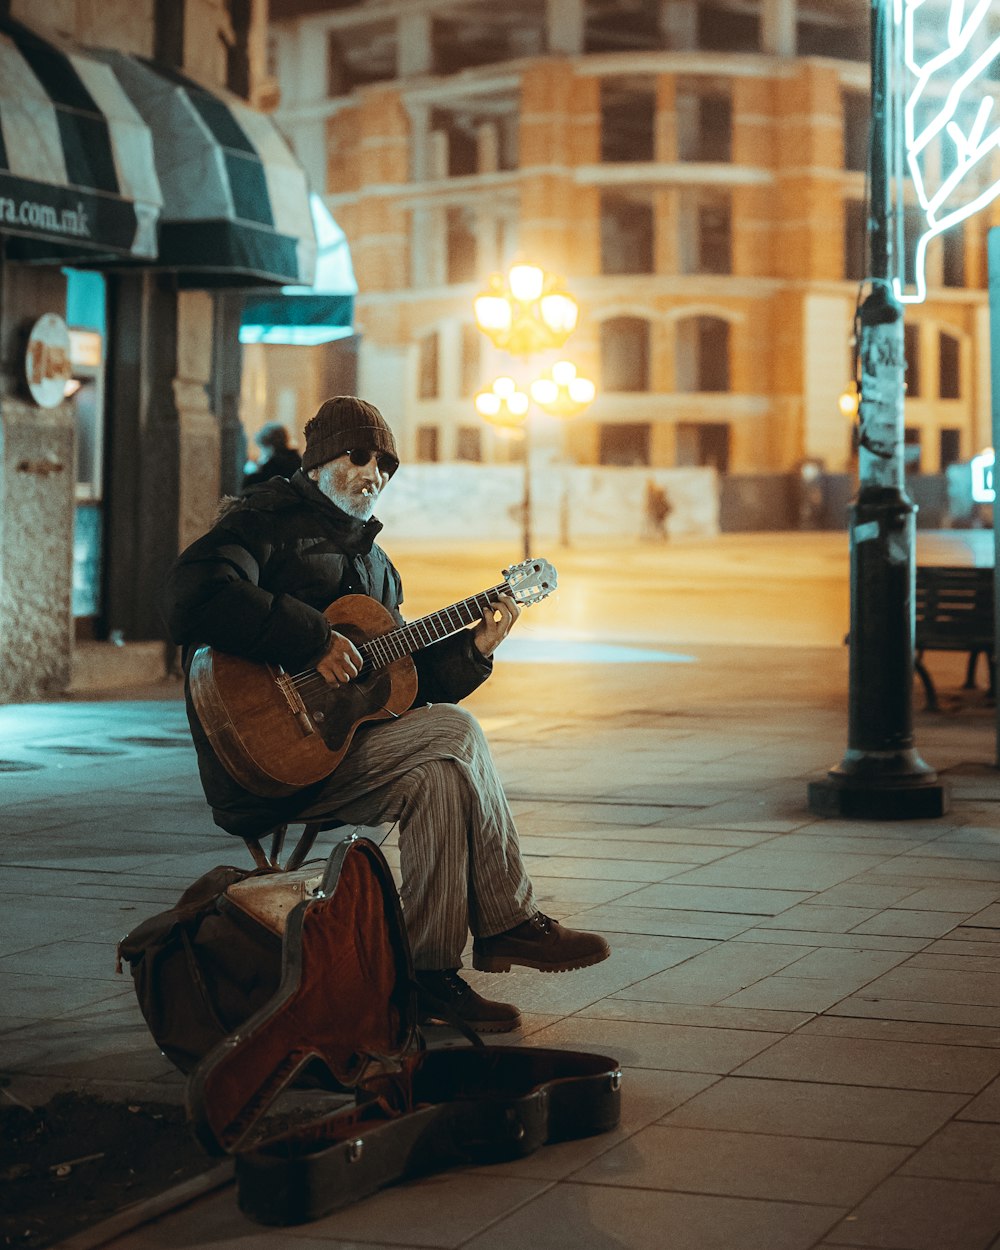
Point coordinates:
[(378, 652)]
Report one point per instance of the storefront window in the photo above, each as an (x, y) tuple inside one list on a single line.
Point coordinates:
[(85, 314)]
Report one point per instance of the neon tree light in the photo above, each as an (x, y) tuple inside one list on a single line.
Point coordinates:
[(974, 145)]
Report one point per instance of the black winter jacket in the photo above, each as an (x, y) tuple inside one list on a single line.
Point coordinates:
[(256, 585)]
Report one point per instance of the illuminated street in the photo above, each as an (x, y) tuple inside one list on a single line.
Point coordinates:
[(807, 1011)]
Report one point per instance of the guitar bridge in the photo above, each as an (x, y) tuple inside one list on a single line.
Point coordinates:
[(294, 701)]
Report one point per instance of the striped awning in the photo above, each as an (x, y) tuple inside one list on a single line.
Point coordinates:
[(235, 199), (77, 178), (308, 315)]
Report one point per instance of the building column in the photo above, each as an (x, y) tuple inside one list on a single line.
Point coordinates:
[(679, 24), (37, 501), (565, 23), (226, 386), (414, 45), (777, 27), (382, 380)]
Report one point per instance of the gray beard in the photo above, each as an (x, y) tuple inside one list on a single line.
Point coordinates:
[(359, 506)]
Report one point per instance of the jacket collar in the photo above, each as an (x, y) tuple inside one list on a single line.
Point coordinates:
[(354, 535)]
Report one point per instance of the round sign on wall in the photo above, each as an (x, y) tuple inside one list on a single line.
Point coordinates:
[(46, 363)]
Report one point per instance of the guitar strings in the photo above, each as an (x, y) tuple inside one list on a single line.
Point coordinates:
[(401, 633)]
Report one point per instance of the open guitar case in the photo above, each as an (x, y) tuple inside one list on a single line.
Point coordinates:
[(347, 998)]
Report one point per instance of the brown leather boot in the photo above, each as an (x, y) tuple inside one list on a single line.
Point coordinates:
[(444, 994), (541, 943)]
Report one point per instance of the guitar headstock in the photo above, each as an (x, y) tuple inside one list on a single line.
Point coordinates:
[(531, 580)]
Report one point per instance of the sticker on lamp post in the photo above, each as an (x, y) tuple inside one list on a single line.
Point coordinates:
[(47, 366), (983, 490)]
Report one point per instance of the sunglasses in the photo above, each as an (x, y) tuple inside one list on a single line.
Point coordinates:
[(387, 463)]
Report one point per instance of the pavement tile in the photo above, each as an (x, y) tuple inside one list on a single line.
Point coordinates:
[(968, 959), (911, 923), (806, 840), (941, 869), (966, 941), (559, 895), (780, 993), (918, 1213), (818, 918), (986, 1106), (745, 1165), (830, 1025), (715, 974), (859, 966), (83, 959), (598, 1217), (609, 868), (597, 812), (893, 1065), (858, 1113), (659, 921), (938, 986), (632, 850), (725, 838), (687, 897), (952, 896), (776, 870), (960, 1151), (865, 893), (988, 918), (829, 940), (971, 850), (899, 1009), (676, 1048), (620, 1007)]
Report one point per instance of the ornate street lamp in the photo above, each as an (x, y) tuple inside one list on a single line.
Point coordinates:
[(562, 392), (529, 312), (503, 405)]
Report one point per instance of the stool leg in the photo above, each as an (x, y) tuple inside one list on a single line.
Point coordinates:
[(304, 845), (277, 842), (257, 851)]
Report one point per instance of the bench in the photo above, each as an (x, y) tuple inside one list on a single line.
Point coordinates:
[(954, 612)]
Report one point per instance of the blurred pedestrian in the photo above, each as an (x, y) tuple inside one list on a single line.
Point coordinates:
[(276, 458), (658, 510)]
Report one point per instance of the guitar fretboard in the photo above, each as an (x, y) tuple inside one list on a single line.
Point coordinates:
[(404, 640)]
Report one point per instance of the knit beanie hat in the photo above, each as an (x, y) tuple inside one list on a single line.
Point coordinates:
[(343, 423)]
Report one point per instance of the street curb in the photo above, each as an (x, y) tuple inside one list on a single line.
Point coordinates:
[(133, 1217)]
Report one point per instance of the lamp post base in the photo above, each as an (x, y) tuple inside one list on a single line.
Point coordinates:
[(899, 786)]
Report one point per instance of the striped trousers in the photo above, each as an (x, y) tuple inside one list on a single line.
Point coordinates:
[(460, 863)]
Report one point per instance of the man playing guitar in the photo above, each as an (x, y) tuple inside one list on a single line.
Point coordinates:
[(256, 586)]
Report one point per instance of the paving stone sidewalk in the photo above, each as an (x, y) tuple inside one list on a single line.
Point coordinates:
[(807, 1011)]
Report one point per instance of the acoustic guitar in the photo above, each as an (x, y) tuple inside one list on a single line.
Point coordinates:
[(276, 732)]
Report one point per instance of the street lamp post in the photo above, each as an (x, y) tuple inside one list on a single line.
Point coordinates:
[(881, 775), (561, 393), (529, 312)]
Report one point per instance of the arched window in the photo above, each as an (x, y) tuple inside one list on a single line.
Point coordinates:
[(702, 355), (625, 354)]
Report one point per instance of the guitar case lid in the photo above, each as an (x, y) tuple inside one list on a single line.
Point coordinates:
[(346, 997)]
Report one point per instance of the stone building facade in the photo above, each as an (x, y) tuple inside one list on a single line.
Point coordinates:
[(97, 498), (695, 173)]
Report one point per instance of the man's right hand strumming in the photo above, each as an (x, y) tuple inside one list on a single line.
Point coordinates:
[(341, 661)]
